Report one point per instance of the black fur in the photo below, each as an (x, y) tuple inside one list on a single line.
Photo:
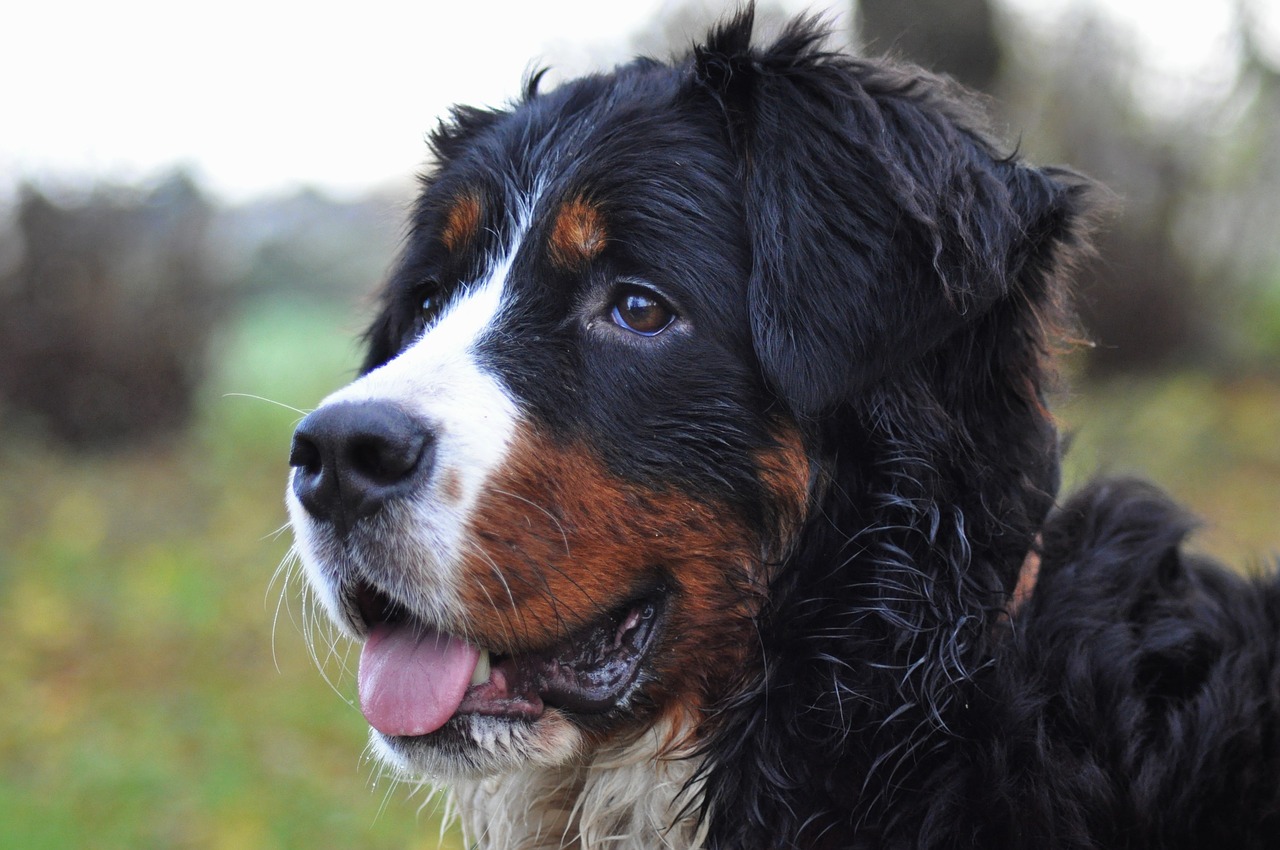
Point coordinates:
[(1136, 701), (862, 264)]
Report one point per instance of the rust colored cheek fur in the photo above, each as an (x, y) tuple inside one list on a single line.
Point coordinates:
[(785, 472), (558, 541)]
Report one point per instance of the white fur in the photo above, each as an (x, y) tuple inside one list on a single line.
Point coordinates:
[(631, 798), (441, 379)]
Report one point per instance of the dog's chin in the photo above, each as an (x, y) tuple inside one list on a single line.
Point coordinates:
[(473, 746)]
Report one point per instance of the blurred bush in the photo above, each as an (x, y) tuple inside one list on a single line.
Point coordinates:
[(106, 317), (111, 297)]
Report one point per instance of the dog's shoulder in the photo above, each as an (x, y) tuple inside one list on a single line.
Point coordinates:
[(1139, 686), (1117, 551)]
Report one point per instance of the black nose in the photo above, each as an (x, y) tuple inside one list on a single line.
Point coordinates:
[(351, 458)]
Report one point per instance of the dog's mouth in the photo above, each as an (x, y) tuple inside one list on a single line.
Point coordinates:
[(415, 678)]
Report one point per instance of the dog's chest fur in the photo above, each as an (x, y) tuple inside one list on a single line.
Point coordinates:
[(633, 798)]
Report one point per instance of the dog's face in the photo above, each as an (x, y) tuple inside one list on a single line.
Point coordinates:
[(559, 480), (637, 323)]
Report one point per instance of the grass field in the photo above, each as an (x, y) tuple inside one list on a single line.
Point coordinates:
[(153, 693)]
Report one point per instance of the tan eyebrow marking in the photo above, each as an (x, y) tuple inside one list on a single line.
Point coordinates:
[(579, 233), (462, 221)]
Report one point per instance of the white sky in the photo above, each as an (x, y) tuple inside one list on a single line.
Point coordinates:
[(263, 95)]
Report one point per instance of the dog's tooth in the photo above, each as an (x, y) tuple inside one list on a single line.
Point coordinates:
[(481, 673)]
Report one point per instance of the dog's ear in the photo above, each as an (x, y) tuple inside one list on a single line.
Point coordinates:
[(880, 221)]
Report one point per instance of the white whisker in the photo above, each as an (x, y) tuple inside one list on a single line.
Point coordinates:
[(288, 407)]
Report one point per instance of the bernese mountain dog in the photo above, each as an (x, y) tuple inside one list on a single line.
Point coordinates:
[(699, 490)]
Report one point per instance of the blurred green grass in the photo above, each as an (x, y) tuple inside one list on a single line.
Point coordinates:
[(1212, 442), (150, 698)]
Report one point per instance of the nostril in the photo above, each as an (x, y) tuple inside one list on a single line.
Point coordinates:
[(382, 460), (304, 454)]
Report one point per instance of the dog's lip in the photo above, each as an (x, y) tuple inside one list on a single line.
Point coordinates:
[(590, 671)]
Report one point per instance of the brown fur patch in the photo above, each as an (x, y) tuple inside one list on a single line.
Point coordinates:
[(462, 221), (451, 486), (559, 542), (784, 470), (579, 233)]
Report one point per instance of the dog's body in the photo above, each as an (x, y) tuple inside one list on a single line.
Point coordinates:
[(698, 454)]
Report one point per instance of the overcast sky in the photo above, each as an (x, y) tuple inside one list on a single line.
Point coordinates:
[(264, 95)]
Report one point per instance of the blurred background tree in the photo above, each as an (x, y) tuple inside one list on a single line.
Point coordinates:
[(953, 37), (105, 320)]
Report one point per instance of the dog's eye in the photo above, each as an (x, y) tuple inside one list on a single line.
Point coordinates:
[(431, 301), (641, 312)]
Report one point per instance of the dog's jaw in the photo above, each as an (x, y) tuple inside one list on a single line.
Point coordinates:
[(474, 747)]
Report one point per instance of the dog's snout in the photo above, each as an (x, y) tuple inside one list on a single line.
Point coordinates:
[(351, 458)]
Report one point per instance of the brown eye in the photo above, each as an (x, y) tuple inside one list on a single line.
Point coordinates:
[(432, 299), (641, 313)]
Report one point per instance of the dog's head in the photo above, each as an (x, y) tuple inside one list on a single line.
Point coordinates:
[(653, 334)]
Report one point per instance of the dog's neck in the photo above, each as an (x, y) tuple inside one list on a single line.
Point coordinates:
[(631, 798)]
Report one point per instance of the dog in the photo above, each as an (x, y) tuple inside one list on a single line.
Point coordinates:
[(699, 489)]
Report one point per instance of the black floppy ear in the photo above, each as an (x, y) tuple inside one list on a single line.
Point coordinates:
[(879, 221)]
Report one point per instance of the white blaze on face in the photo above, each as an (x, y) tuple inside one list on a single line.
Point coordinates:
[(473, 418)]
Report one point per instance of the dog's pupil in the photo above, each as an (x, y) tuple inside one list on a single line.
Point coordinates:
[(643, 314)]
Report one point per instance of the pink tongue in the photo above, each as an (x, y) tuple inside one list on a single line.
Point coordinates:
[(411, 681)]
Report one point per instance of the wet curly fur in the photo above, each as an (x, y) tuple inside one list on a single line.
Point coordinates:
[(1135, 701), (896, 285)]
